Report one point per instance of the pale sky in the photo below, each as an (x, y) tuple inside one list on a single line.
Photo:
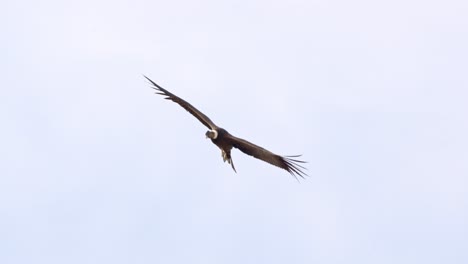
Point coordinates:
[(95, 168)]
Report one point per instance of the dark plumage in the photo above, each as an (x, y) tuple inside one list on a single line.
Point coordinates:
[(225, 141)]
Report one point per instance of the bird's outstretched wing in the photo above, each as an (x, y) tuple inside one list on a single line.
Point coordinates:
[(191, 109), (285, 162)]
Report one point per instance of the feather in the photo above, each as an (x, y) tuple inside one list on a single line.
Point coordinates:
[(290, 165), (191, 109)]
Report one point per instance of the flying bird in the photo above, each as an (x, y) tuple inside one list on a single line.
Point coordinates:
[(225, 141)]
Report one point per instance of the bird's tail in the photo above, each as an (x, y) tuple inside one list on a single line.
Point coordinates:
[(227, 157), (232, 164)]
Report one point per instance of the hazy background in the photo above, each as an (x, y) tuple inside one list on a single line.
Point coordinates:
[(95, 168)]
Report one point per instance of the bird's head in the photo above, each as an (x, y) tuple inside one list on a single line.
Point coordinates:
[(213, 134)]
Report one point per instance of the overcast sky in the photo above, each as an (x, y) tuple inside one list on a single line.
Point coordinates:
[(95, 168)]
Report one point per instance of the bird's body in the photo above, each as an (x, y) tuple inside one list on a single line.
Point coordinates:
[(225, 141), (220, 137)]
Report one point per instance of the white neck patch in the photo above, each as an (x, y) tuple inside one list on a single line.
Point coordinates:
[(215, 133)]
